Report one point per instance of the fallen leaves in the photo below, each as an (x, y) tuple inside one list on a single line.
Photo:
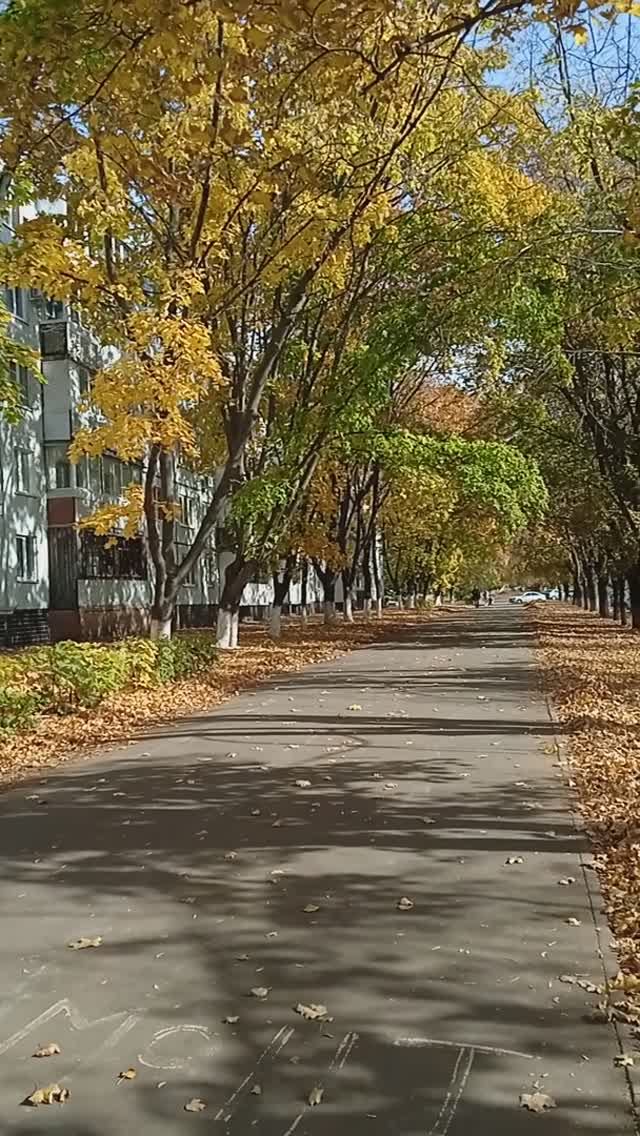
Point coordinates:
[(260, 992), (591, 667), (311, 909), (302, 784), (231, 1020), (405, 904), (537, 1102), (567, 881), (573, 922), (49, 1050), (82, 944), (354, 706), (129, 1074), (312, 1012), (514, 860), (196, 1104), (623, 1061), (49, 1094), (315, 1096)]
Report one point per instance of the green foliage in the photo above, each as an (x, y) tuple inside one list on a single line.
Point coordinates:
[(68, 676), (18, 709)]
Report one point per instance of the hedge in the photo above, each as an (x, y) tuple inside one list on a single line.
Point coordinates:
[(67, 676)]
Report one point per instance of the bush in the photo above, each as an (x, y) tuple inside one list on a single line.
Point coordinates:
[(18, 709), (71, 676)]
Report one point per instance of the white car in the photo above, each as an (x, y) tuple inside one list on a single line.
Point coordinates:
[(528, 597)]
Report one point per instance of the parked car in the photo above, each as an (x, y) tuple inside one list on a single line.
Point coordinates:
[(528, 597)]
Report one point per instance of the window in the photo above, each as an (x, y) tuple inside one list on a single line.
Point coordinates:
[(186, 511), (110, 558), (26, 557), (14, 301), (84, 380), (21, 376), (11, 217), (58, 467), (23, 471), (111, 476), (54, 309)]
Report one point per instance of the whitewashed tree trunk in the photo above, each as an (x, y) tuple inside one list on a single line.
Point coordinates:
[(275, 621), (348, 607), (366, 611), (160, 628), (379, 607), (329, 611), (235, 627), (412, 601), (304, 614), (224, 628), (438, 600)]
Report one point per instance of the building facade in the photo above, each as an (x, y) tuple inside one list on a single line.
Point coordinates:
[(57, 580)]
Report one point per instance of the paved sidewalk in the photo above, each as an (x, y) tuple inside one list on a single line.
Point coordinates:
[(430, 763)]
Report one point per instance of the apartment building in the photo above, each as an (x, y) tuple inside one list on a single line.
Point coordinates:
[(57, 580)]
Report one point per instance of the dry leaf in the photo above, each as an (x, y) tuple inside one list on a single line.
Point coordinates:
[(514, 860), (312, 1012), (537, 1102), (260, 991), (302, 784), (255, 812), (257, 1090), (195, 1105), (355, 706), (573, 922), (49, 1094), (82, 943), (623, 1061), (231, 855), (231, 1020), (629, 983), (47, 1050), (570, 979), (567, 881), (311, 909), (405, 904), (315, 1096), (129, 1074)]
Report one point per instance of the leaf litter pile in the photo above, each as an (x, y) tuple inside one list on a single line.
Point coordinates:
[(116, 719), (591, 669)]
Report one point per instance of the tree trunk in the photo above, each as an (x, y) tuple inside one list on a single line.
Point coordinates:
[(622, 599), (603, 595), (368, 582), (327, 577), (160, 625), (633, 579), (281, 585), (590, 588), (577, 590), (377, 575), (347, 589), (304, 593), (615, 589), (235, 575)]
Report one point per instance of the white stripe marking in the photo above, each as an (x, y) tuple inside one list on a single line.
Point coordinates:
[(420, 1042), (275, 1046), (457, 1085), (338, 1061)]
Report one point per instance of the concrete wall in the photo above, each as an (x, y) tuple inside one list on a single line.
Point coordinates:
[(23, 512)]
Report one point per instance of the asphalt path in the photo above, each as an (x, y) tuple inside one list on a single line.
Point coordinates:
[(266, 846)]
